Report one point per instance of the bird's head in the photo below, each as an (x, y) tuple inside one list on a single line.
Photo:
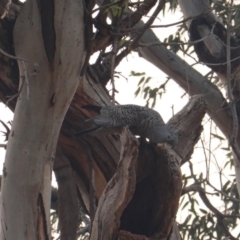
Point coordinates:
[(163, 134)]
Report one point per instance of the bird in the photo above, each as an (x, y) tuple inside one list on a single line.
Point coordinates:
[(142, 121)]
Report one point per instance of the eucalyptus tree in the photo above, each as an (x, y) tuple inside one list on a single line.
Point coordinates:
[(120, 187)]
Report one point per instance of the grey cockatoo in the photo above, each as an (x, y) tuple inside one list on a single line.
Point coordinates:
[(141, 121)]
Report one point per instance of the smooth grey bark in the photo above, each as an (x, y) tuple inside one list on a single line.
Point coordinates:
[(218, 50), (37, 121), (77, 150), (193, 8), (193, 83)]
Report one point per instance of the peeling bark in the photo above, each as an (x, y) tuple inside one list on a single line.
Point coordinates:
[(117, 193), (152, 210), (105, 150), (37, 121), (193, 83), (42, 227), (199, 28), (188, 125)]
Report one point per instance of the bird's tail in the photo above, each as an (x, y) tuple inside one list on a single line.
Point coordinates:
[(92, 108), (85, 132), (98, 131)]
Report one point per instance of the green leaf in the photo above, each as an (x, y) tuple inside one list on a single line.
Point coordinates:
[(203, 211), (137, 74), (217, 136), (137, 92), (141, 81), (226, 149), (188, 218), (185, 205), (154, 101), (147, 80)]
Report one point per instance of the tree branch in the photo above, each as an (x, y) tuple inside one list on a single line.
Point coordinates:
[(220, 217), (117, 193)]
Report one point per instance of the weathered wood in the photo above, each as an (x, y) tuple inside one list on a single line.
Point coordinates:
[(37, 121), (153, 208), (213, 52), (105, 150), (188, 125), (117, 193)]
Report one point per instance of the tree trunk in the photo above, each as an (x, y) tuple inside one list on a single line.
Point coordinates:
[(151, 212), (212, 50), (49, 35), (193, 83), (91, 157)]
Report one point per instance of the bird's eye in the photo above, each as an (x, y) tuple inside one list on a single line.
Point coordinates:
[(168, 137)]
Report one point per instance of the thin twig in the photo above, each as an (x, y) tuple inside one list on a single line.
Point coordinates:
[(206, 159), (105, 6), (220, 217), (149, 22), (209, 146), (15, 95), (135, 42), (174, 44), (166, 25), (25, 74), (114, 53), (115, 3), (221, 64), (7, 130), (12, 57), (223, 193)]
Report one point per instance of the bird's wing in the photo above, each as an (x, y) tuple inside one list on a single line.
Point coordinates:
[(84, 132), (100, 121), (97, 131), (93, 108)]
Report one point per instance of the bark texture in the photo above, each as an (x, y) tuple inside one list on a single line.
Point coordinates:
[(95, 159), (152, 209), (193, 83), (117, 193), (67, 197), (213, 52), (49, 80)]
